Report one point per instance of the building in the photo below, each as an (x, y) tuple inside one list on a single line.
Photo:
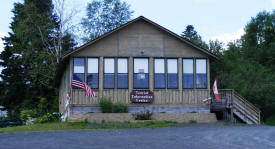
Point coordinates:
[(142, 64)]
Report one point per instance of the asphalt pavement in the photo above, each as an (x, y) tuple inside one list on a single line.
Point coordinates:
[(195, 136)]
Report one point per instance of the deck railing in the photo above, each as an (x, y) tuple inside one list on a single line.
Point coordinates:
[(240, 105)]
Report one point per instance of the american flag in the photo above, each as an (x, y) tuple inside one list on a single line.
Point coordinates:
[(76, 82)]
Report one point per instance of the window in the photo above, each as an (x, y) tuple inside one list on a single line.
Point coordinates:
[(122, 73), (159, 76), (188, 73), (201, 73), (78, 73), (172, 73), (109, 73), (141, 76), (92, 74)]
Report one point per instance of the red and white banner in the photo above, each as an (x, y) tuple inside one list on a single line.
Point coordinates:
[(215, 89)]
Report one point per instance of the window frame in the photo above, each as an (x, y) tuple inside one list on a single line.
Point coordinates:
[(98, 71), (206, 72), (194, 72), (165, 77), (148, 60), (109, 73), (116, 71)]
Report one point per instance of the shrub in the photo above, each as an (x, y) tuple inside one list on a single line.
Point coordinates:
[(120, 107), (192, 121), (145, 115), (105, 105), (26, 115), (46, 118)]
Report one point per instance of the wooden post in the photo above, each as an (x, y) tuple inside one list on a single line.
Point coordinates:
[(232, 106)]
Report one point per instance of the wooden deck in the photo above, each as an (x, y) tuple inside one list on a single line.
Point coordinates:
[(237, 105)]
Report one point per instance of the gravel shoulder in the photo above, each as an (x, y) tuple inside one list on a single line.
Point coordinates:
[(192, 136)]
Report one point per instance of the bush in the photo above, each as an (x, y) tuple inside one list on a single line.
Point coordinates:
[(46, 118), (192, 121), (26, 115), (145, 115), (120, 107), (105, 105)]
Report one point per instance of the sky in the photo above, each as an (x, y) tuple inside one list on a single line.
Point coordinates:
[(213, 19)]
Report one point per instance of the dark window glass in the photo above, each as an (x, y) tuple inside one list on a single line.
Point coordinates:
[(122, 73), (201, 80), (141, 80), (78, 72), (188, 80), (109, 80), (141, 75), (201, 73), (92, 80), (122, 80), (109, 73), (92, 75), (159, 81), (78, 77), (188, 73), (172, 73), (172, 81), (159, 70)]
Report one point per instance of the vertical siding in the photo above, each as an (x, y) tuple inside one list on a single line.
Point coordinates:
[(161, 97)]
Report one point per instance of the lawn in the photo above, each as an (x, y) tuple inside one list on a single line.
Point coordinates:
[(88, 126)]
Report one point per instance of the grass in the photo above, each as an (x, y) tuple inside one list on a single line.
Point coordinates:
[(88, 126)]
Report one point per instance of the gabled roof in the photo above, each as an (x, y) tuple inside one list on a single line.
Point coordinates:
[(65, 58), (150, 22)]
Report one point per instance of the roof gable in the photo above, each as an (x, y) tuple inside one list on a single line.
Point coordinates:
[(141, 18)]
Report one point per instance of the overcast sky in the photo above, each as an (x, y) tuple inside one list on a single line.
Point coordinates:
[(213, 19)]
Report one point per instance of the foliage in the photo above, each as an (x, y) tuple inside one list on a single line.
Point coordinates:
[(270, 121), (144, 115), (120, 108), (248, 64), (25, 115), (105, 105), (191, 35), (103, 16), (29, 58), (192, 121), (46, 118)]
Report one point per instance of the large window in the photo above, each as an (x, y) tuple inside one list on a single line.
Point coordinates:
[(141, 77), (172, 73), (188, 73), (109, 73), (92, 72), (201, 74), (159, 75), (78, 72), (122, 73)]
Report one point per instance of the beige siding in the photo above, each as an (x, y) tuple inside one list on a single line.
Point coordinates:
[(138, 37), (161, 97)]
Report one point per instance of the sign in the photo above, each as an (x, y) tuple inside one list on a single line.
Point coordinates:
[(141, 96)]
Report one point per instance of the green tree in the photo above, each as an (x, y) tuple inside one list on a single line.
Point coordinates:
[(259, 39), (103, 16), (216, 47), (29, 58), (191, 35)]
